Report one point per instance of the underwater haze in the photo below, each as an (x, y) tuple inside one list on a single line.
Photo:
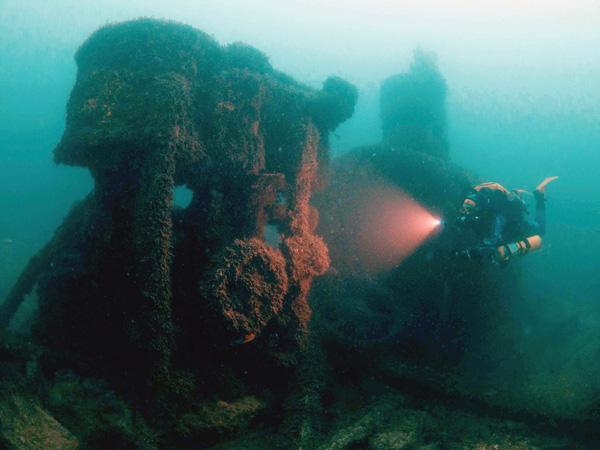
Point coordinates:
[(523, 103)]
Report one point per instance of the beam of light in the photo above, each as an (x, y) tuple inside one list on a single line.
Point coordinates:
[(390, 227)]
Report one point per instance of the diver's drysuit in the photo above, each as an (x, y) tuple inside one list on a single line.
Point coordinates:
[(499, 219)]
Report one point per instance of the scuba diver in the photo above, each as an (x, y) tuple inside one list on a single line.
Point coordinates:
[(498, 219)]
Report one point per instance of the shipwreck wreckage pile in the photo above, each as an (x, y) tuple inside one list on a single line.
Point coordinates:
[(169, 327)]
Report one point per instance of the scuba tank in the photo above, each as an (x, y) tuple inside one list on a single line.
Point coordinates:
[(507, 251), (502, 254)]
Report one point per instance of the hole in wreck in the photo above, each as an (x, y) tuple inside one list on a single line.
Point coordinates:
[(271, 235), (182, 196), (281, 199)]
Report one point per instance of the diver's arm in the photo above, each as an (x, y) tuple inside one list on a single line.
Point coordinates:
[(540, 204), (540, 211)]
